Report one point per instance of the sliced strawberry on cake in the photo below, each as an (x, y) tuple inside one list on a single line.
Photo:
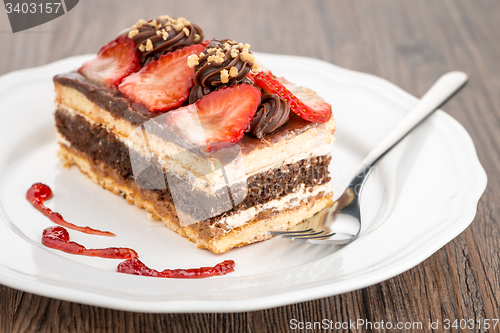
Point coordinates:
[(113, 63), (219, 118), (303, 101), (164, 84)]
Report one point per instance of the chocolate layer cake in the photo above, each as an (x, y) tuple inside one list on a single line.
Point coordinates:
[(219, 194)]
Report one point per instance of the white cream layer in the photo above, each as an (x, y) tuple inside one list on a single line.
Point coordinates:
[(316, 141), (289, 201)]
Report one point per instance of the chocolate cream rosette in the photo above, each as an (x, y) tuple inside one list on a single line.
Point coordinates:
[(165, 34), (226, 63)]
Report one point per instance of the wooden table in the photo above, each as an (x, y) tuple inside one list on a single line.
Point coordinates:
[(409, 43)]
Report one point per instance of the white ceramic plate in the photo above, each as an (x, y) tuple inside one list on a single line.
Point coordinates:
[(420, 197)]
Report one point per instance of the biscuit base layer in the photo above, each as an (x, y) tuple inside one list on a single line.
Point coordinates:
[(250, 232)]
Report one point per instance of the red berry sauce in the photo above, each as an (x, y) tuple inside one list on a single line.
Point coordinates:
[(137, 267), (57, 237), (38, 193)]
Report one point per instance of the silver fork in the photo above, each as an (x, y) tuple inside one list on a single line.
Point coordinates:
[(340, 223)]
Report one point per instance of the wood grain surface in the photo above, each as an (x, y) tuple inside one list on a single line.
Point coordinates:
[(410, 43)]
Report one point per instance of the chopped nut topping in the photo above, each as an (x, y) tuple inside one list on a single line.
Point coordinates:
[(217, 58), (255, 68), (186, 31), (178, 26), (219, 53), (134, 27), (193, 60), (231, 60), (169, 28), (142, 48), (132, 33), (141, 22), (196, 38), (183, 21), (158, 32), (149, 45), (153, 23), (233, 71), (246, 56), (224, 76), (234, 53)]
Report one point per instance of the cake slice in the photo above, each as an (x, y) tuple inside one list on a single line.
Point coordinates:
[(196, 135)]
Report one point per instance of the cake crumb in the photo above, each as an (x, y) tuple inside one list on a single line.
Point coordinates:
[(193, 60), (152, 217), (233, 71), (224, 76)]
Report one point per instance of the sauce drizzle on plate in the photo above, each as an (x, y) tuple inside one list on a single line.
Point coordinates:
[(39, 193), (137, 267)]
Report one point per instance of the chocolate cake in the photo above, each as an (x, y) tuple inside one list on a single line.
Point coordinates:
[(194, 133)]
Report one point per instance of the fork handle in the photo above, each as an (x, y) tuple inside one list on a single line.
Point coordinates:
[(444, 88)]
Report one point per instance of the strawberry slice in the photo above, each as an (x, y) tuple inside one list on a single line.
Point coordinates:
[(303, 101), (164, 84), (219, 119), (114, 62)]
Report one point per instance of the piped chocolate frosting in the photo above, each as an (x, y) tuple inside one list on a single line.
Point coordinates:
[(272, 114), (223, 63), (165, 34)]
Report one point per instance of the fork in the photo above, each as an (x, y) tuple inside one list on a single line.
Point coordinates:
[(327, 226)]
